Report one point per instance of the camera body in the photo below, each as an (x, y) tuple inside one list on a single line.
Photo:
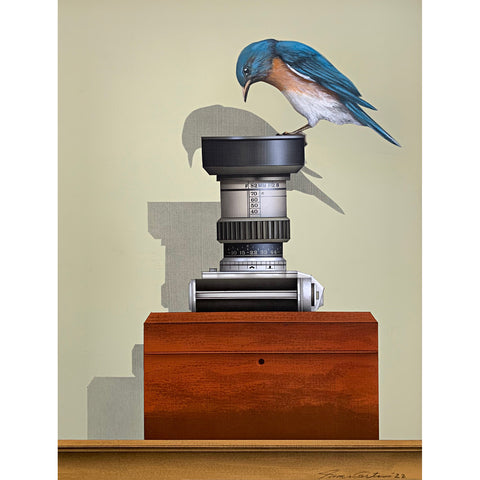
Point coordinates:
[(253, 275)]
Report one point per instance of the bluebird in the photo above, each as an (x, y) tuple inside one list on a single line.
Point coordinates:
[(313, 86)]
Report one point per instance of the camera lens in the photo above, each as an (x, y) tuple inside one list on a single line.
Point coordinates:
[(253, 223)]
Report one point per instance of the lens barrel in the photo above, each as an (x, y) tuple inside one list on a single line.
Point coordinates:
[(253, 172)]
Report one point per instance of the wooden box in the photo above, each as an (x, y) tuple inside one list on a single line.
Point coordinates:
[(261, 375)]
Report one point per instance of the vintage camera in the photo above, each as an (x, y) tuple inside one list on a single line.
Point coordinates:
[(253, 275)]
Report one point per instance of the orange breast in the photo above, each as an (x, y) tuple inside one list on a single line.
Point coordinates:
[(284, 78)]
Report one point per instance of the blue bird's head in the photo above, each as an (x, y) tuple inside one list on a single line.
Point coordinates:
[(254, 63)]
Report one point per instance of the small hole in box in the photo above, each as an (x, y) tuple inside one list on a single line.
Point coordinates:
[(261, 361)]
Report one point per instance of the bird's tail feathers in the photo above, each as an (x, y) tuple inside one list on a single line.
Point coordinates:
[(364, 103), (347, 96), (364, 119)]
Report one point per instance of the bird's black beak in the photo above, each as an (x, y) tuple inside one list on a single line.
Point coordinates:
[(245, 90)]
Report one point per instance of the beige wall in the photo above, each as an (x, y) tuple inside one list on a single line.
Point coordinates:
[(130, 74)]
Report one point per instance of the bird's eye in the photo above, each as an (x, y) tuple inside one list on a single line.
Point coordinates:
[(246, 70)]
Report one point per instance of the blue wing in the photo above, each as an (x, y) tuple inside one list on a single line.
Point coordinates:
[(312, 64)]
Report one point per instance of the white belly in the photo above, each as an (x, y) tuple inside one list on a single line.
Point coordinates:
[(319, 106)]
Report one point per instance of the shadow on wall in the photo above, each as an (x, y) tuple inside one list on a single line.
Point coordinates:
[(115, 404), (187, 230)]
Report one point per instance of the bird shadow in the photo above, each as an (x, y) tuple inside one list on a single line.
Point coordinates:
[(217, 120)]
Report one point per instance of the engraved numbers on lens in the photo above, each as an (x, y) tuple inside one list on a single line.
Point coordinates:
[(254, 201), (253, 249)]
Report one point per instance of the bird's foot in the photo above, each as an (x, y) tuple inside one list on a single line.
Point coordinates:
[(299, 130), (291, 133)]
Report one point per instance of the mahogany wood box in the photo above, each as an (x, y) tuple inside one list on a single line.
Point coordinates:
[(261, 375)]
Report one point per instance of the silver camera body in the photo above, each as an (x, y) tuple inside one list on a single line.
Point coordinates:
[(253, 274)]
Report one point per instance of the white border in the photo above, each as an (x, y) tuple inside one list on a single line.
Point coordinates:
[(451, 239), (28, 252)]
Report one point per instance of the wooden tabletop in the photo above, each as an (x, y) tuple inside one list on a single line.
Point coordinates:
[(238, 459), (239, 445)]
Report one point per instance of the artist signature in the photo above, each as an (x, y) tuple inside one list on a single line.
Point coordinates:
[(331, 474)]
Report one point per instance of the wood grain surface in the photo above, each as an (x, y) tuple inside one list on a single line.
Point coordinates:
[(233, 460), (260, 332), (261, 376), (263, 317), (84, 446)]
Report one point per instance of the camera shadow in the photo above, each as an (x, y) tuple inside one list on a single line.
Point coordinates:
[(115, 404), (187, 231)]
